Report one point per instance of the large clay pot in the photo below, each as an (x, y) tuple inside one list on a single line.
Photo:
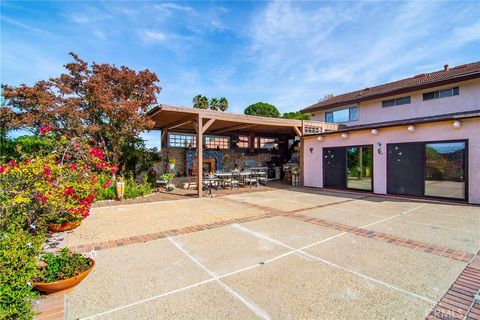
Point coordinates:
[(55, 286), (64, 226)]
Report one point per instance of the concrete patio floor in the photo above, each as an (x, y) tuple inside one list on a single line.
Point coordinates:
[(277, 254)]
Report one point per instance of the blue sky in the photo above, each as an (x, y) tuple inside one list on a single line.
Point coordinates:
[(289, 54)]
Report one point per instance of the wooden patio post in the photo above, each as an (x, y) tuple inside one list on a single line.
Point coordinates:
[(199, 128)]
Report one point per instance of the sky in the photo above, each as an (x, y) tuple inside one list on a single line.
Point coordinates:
[(289, 54)]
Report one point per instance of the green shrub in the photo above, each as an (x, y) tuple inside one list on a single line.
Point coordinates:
[(18, 266), (63, 265), (134, 189)]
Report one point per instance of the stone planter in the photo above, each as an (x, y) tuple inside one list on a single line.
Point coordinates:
[(60, 285), (64, 226)]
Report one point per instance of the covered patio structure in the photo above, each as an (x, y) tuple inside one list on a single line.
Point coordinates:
[(183, 127)]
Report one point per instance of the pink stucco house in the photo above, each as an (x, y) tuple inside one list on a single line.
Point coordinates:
[(418, 136)]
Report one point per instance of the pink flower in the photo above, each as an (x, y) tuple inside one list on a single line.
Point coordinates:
[(100, 165), (113, 169), (73, 166), (45, 129), (47, 171), (69, 191), (2, 168)]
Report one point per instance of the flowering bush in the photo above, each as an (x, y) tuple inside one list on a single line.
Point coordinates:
[(54, 188)]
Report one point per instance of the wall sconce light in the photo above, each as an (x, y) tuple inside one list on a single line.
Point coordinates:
[(411, 128), (457, 124), (344, 135), (374, 132), (311, 149), (320, 138)]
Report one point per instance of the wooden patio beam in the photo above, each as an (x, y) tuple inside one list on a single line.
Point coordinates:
[(235, 128)]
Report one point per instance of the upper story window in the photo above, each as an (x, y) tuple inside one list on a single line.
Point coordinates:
[(182, 140), (243, 142), (396, 102), (441, 93), (342, 115), (267, 143), (213, 142)]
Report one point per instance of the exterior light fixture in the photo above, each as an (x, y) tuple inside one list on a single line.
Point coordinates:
[(457, 124), (344, 135), (320, 138), (411, 128), (311, 149), (374, 132)]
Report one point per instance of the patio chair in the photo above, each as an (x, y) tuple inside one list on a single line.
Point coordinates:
[(232, 182)]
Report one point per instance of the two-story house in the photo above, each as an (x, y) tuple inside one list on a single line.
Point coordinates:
[(418, 136)]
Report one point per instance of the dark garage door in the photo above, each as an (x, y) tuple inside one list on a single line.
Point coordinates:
[(334, 167), (405, 169)]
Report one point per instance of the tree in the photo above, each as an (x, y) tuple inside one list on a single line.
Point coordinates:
[(214, 104), (326, 97), (223, 104), (262, 109), (296, 115), (200, 102), (98, 101)]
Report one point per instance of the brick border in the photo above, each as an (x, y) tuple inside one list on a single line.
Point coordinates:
[(51, 307), (399, 241), (85, 248), (461, 300)]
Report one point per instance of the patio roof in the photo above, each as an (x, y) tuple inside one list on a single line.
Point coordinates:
[(182, 119)]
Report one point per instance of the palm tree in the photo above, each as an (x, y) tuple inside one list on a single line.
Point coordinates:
[(214, 104), (223, 104), (200, 102)]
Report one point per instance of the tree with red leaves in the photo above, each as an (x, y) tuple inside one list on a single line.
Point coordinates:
[(100, 101)]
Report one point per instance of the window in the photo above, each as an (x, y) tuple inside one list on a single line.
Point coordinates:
[(243, 142), (396, 102), (267, 143), (212, 142), (182, 140), (441, 93), (343, 115)]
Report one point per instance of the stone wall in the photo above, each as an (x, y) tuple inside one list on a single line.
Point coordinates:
[(229, 159)]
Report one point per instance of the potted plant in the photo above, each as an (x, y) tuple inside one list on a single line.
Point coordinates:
[(168, 177), (57, 272)]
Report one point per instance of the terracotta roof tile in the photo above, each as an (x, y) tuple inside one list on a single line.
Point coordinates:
[(418, 82)]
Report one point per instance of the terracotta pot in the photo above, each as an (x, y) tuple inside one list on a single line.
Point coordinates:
[(51, 287), (64, 226)]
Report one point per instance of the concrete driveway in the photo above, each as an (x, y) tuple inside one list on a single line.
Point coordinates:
[(281, 254)]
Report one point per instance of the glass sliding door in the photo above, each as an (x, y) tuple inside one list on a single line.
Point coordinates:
[(445, 169), (360, 167)]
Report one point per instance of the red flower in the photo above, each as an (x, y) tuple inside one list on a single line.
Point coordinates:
[(47, 171), (69, 191), (96, 153), (12, 163), (113, 169), (100, 165), (2, 168), (107, 184), (45, 129), (43, 198), (73, 166)]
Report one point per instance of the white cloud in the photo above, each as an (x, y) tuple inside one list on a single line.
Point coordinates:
[(21, 25), (152, 36)]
